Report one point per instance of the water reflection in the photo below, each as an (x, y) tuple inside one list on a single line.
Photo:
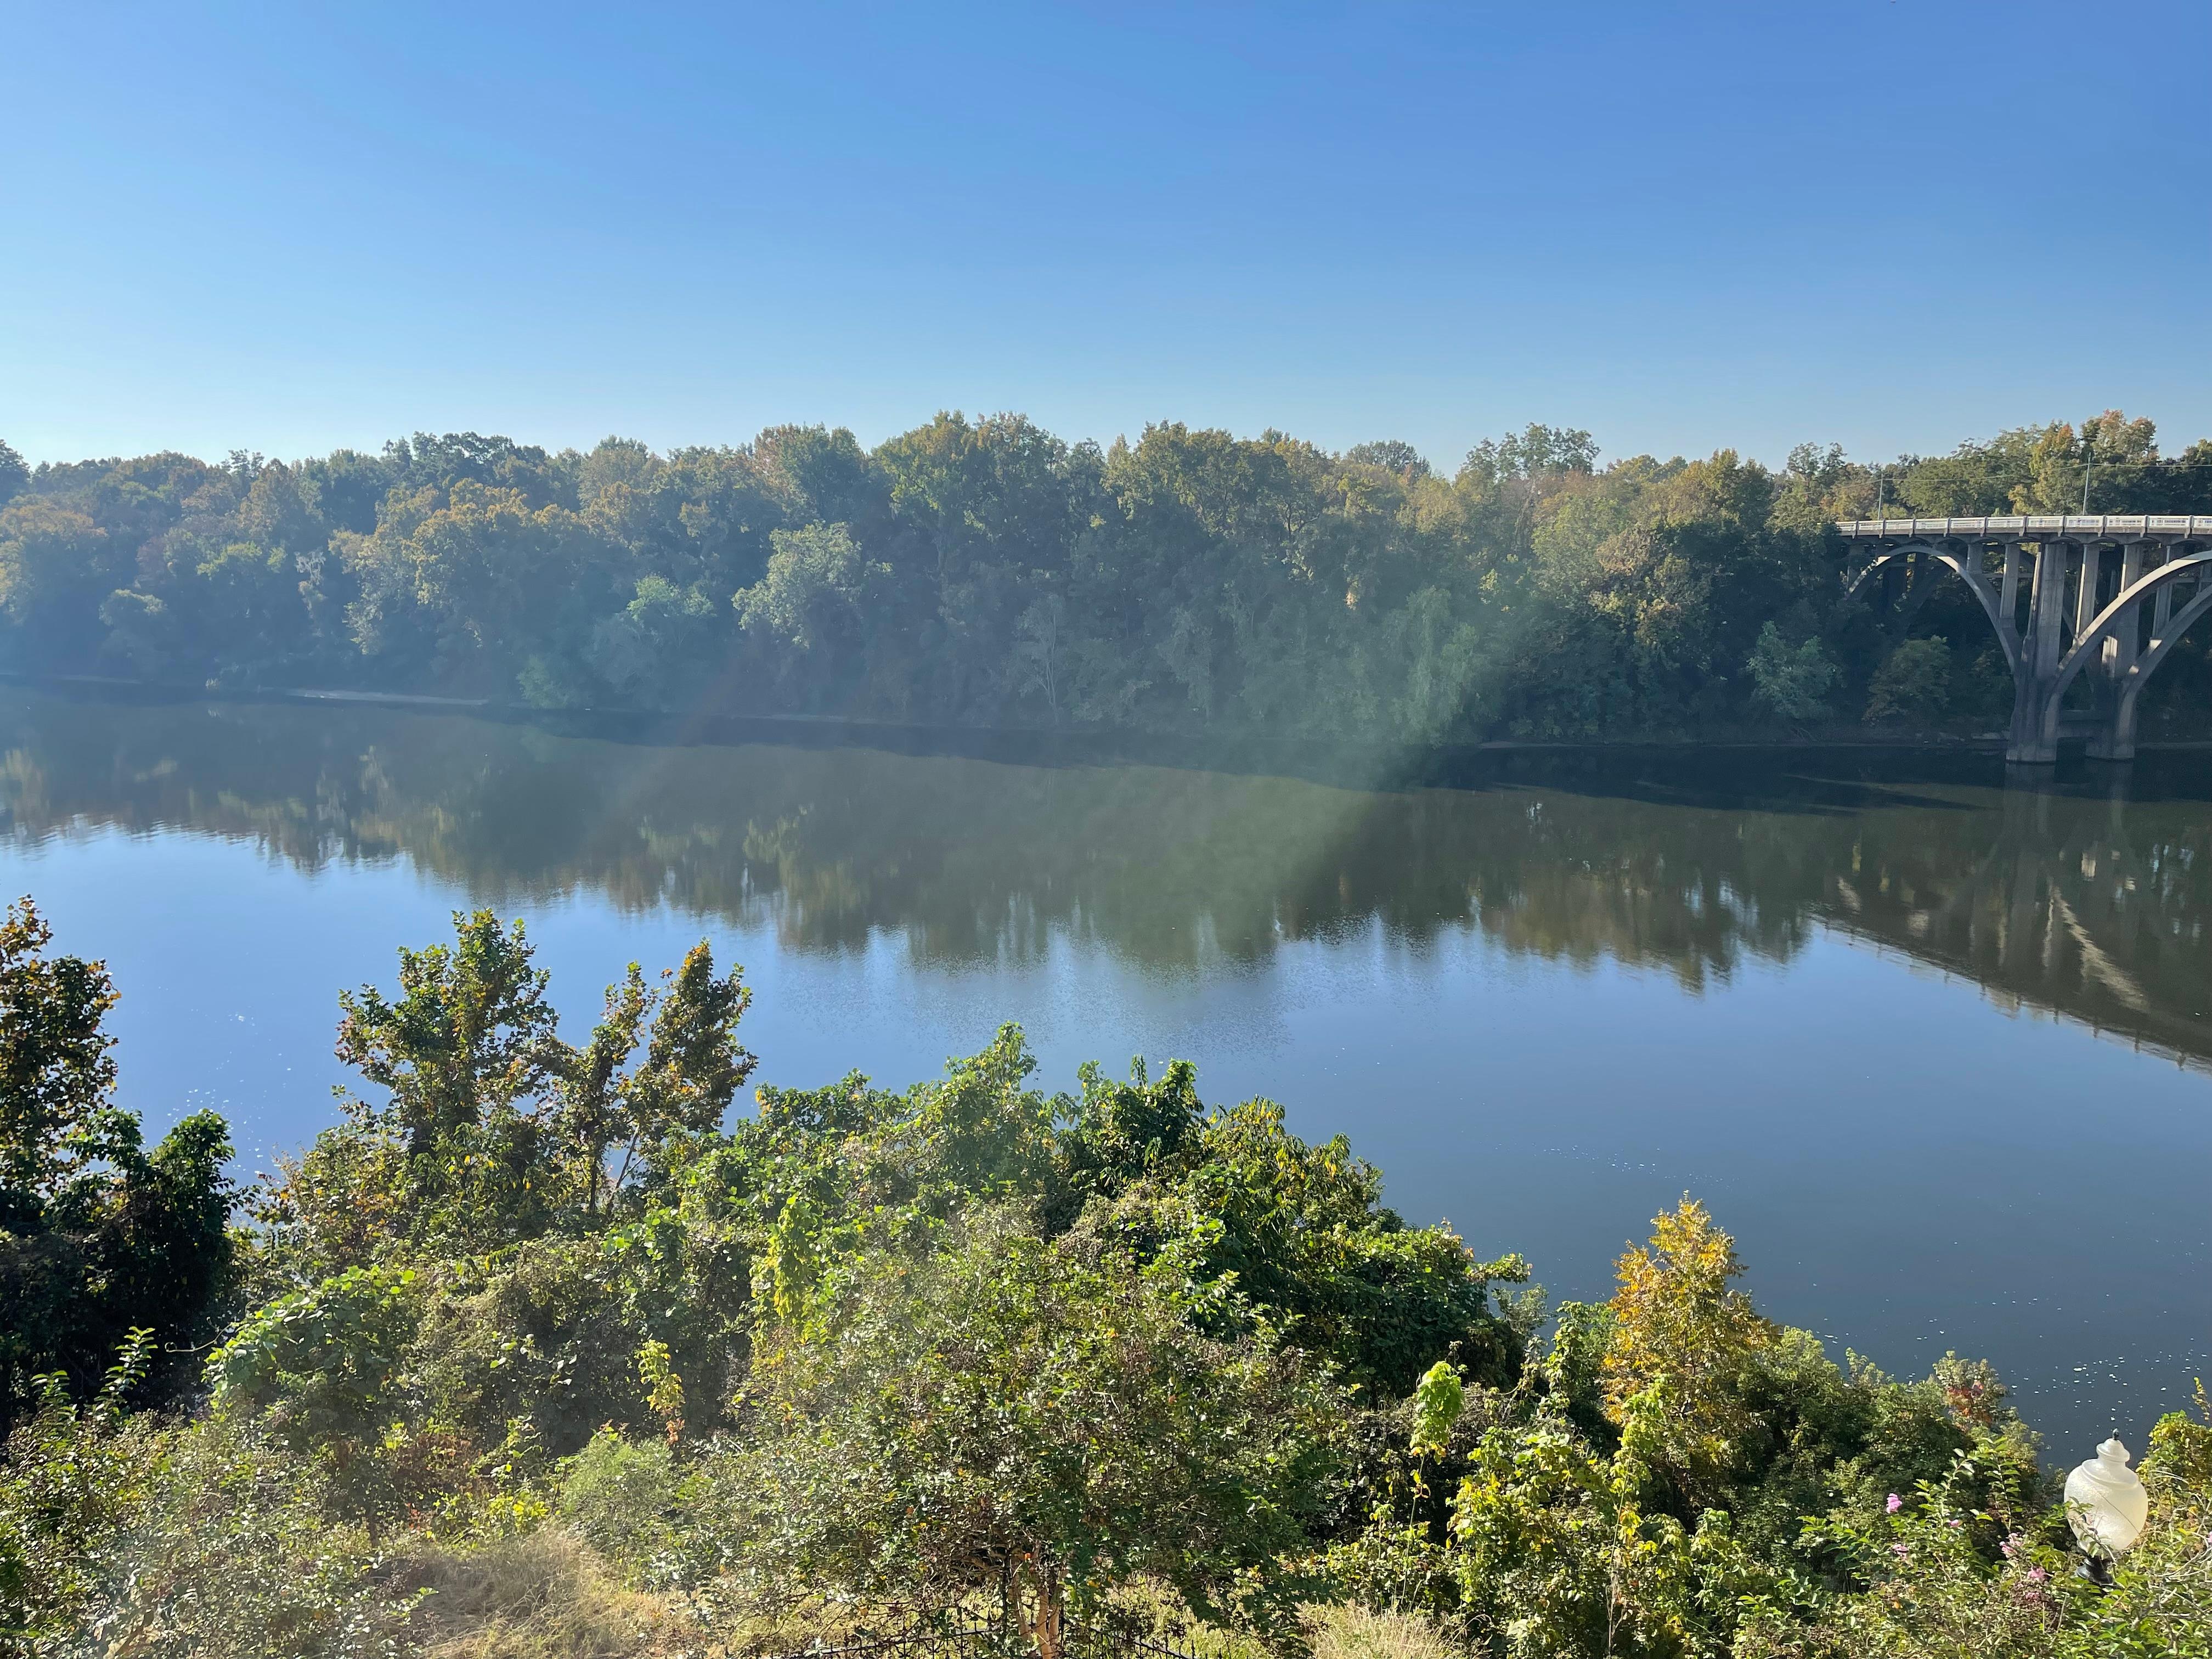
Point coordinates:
[(2072, 898), (2095, 909)]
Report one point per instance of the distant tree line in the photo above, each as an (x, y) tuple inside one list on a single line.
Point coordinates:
[(987, 573)]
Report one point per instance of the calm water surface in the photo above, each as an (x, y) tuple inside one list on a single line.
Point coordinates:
[(1935, 1049)]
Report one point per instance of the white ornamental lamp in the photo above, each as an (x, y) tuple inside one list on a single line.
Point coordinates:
[(2106, 1505)]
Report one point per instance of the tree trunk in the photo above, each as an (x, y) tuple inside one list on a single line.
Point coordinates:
[(1051, 1611), (1039, 1605)]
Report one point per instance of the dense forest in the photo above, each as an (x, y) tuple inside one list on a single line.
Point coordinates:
[(987, 573), (543, 1349)]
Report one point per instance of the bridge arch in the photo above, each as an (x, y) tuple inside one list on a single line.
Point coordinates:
[(2123, 611), (2043, 660), (1966, 566)]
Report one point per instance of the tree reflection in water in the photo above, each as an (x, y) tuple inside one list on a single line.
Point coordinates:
[(2086, 897)]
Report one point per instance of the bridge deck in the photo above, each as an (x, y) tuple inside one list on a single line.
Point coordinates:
[(2069, 527)]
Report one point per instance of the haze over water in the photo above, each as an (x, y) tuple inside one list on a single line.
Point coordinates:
[(1931, 1047)]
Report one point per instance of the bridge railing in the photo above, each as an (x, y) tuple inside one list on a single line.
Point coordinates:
[(2072, 526)]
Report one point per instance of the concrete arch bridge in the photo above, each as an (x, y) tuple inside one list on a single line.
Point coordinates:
[(2102, 596)]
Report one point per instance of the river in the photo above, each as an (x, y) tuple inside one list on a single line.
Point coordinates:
[(1933, 1047)]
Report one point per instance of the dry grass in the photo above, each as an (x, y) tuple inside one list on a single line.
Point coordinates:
[(547, 1595), (755, 1633), (1334, 1629), (1349, 1632), (542, 1597)]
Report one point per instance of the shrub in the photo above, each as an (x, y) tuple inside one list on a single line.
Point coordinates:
[(120, 1534), (320, 1370), (98, 1237), (1791, 681), (1913, 683), (1006, 1408), (620, 1496)]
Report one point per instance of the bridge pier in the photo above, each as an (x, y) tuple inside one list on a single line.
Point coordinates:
[(2103, 638), (2115, 737), (2034, 740)]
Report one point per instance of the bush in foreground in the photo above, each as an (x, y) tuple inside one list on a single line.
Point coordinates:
[(632, 1382)]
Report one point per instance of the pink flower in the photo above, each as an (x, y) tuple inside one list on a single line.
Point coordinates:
[(1901, 1550), (2036, 1575), (1895, 1502)]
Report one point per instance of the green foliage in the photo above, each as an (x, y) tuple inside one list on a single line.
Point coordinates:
[(72, 1477), (814, 586), (494, 1132), (1140, 1165), (56, 1120), (322, 1369), (1912, 683), (98, 1237), (1964, 1566), (683, 1086), (1437, 1402), (1533, 453), (141, 1538), (525, 1242), (790, 1265), (1301, 1229), (1682, 1338), (986, 572), (1792, 681), (1559, 1553), (1001, 1406), (622, 1497), (876, 1353), (544, 1339), (472, 1035), (56, 566), (1738, 1488)]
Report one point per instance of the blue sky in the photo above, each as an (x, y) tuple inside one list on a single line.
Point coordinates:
[(1887, 223)]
